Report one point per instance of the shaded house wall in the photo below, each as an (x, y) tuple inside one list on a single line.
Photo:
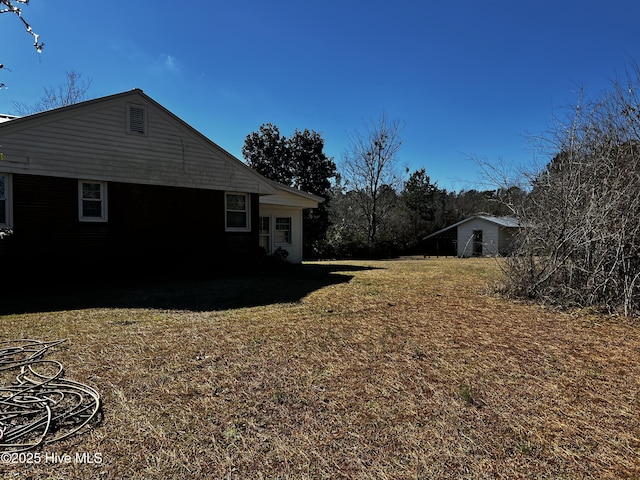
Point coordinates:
[(153, 227), (506, 238)]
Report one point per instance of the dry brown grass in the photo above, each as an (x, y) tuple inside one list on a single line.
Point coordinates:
[(408, 370)]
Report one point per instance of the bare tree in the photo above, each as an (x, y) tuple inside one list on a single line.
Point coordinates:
[(73, 91), (580, 241), (370, 170)]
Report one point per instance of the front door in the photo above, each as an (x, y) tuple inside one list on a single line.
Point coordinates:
[(265, 234)]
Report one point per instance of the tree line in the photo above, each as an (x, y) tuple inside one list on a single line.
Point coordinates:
[(371, 208)]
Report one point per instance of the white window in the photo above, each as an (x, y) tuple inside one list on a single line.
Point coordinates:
[(92, 201), (237, 212), (136, 120), (283, 231), (265, 234), (5, 200)]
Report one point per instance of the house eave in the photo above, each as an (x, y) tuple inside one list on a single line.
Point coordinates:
[(289, 196)]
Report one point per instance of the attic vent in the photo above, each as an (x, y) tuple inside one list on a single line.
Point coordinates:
[(136, 120)]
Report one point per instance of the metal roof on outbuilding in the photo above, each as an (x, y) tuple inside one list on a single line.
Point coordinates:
[(506, 222)]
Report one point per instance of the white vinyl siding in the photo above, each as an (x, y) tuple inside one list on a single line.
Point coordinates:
[(237, 212), (5, 200), (289, 240), (90, 141), (490, 237), (92, 201)]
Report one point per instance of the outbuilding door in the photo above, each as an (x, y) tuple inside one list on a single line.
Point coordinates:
[(477, 243)]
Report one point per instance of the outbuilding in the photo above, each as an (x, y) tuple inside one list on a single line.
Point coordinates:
[(479, 235)]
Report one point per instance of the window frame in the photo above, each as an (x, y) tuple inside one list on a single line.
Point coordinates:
[(247, 212), (104, 217), (8, 200), (289, 241)]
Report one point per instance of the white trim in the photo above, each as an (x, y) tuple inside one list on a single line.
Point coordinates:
[(247, 213), (103, 202), (8, 197), (275, 231)]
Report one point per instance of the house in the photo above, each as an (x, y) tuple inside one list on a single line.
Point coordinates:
[(480, 235), (120, 181)]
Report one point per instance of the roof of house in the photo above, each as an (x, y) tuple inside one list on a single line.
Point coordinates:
[(285, 193), (506, 222)]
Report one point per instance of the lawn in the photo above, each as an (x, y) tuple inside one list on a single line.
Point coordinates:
[(359, 369)]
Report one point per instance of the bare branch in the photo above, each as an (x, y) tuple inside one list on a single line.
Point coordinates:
[(74, 90), (11, 8)]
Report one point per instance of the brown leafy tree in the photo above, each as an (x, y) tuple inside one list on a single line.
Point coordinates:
[(300, 162), (266, 152)]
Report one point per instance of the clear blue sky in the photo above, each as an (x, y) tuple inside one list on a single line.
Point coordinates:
[(465, 77)]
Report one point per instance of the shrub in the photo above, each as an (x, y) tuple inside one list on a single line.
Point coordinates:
[(581, 244)]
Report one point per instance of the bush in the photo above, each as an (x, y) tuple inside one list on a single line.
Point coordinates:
[(581, 241)]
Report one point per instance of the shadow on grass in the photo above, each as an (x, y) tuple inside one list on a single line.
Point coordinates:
[(284, 285)]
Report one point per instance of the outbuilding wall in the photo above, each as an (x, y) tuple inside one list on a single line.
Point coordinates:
[(490, 237)]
